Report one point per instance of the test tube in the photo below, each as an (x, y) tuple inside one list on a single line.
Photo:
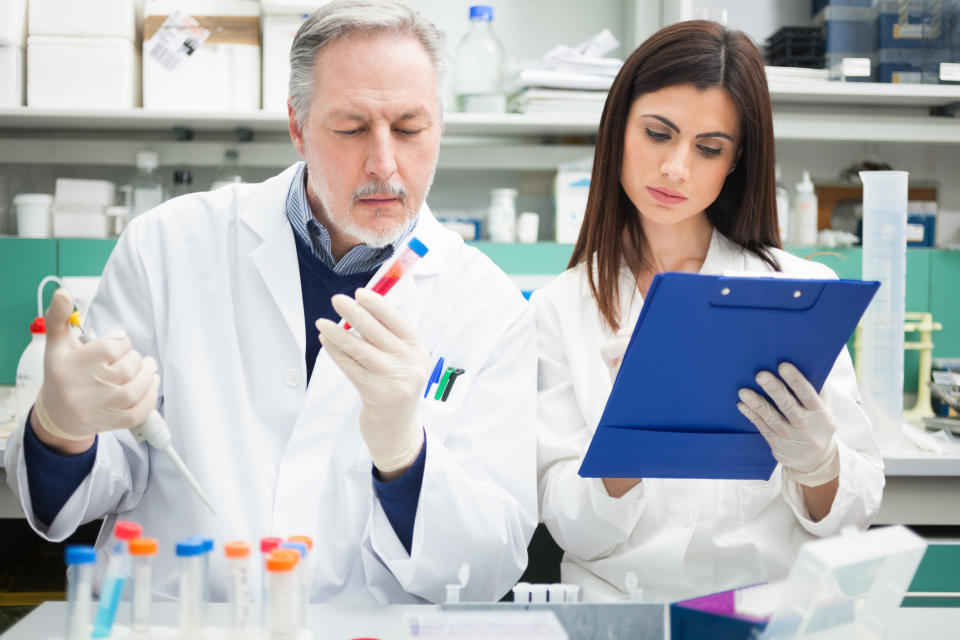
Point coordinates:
[(191, 553), (283, 585), (205, 580), (118, 568), (238, 563), (80, 562), (142, 551), (267, 545), (401, 264), (301, 549)]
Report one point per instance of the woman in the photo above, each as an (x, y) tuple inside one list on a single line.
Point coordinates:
[(683, 180)]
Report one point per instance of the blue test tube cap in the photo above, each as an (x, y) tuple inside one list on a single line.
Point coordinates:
[(481, 12), (296, 546), (80, 554), (191, 547), (205, 541), (418, 247)]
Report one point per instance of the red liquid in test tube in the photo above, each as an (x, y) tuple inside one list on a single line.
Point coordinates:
[(403, 262)]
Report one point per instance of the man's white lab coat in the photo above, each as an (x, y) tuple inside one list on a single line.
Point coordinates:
[(680, 537), (209, 285)]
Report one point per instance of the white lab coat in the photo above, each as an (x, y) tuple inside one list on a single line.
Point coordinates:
[(209, 285), (681, 538)]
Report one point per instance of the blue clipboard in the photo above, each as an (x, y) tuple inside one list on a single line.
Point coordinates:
[(673, 413)]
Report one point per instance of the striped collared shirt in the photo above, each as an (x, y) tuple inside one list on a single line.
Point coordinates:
[(315, 235)]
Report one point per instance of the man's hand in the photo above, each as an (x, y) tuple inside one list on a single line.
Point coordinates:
[(88, 388), (389, 368)]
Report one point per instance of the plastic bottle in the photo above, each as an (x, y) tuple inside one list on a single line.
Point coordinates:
[(30, 365), (80, 562), (783, 209), (805, 213), (283, 588), (142, 551), (146, 184), (238, 564), (229, 171), (502, 216), (479, 66)]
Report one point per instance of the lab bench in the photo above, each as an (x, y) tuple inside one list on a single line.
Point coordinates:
[(387, 622)]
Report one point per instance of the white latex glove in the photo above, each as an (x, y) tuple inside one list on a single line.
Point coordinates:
[(802, 434), (384, 360), (612, 350), (88, 388)]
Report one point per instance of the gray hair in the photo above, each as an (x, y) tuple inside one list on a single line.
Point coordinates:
[(343, 18)]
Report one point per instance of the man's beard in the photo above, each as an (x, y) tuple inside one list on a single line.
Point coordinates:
[(345, 223)]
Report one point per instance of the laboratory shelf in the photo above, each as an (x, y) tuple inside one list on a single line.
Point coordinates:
[(803, 110)]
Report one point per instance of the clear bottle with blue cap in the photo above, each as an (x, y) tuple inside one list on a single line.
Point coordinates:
[(193, 554), (80, 561), (303, 576), (479, 66)]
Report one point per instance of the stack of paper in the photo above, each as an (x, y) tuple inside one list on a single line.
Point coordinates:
[(566, 81)]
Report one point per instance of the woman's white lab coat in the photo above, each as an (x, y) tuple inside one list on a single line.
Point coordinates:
[(209, 285), (680, 537)]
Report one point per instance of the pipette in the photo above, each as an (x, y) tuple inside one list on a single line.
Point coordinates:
[(154, 430)]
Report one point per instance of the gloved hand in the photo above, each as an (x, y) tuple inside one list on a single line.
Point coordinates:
[(612, 350), (389, 368), (802, 434), (88, 388)]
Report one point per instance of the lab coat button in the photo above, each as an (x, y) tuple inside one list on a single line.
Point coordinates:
[(293, 377), (686, 520)]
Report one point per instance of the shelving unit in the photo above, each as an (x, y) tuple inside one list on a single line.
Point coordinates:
[(827, 111)]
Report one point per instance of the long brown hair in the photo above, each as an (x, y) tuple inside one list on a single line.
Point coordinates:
[(704, 54)]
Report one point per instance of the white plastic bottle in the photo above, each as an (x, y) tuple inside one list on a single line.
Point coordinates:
[(479, 66), (805, 213), (783, 209), (30, 365), (146, 184), (502, 216)]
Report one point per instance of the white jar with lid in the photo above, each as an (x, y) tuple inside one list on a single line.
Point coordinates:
[(502, 216), (33, 214)]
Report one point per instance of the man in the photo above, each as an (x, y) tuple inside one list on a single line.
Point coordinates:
[(219, 293)]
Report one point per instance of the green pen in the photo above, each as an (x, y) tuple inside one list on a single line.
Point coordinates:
[(443, 382)]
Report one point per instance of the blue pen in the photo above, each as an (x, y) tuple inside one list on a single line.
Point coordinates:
[(434, 377)]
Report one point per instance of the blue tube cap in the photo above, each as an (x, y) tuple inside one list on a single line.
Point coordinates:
[(205, 541), (418, 247), (481, 12), (190, 547), (80, 554), (297, 546)]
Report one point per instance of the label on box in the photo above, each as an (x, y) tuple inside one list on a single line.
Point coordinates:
[(907, 31), (176, 40), (950, 71), (915, 232), (856, 67)]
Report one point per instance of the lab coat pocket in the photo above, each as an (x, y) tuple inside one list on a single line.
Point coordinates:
[(755, 496), (443, 402)]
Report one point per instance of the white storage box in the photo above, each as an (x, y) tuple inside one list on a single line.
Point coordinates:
[(11, 77), (278, 33), (88, 194), (103, 18), (82, 73), (13, 23), (220, 73), (80, 223)]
